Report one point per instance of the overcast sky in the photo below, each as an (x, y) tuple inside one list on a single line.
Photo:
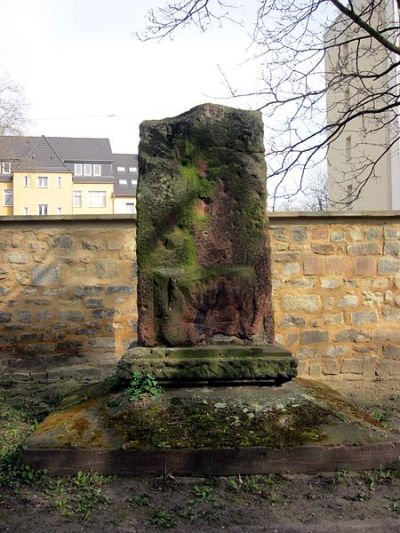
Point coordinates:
[(79, 62)]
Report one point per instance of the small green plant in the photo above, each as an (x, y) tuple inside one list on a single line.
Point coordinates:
[(362, 496), (260, 484), (340, 477), (78, 495), (394, 507), (375, 477), (163, 519), (141, 500), (203, 493), (61, 506), (13, 474), (251, 484), (369, 478), (234, 483), (141, 385), (382, 414)]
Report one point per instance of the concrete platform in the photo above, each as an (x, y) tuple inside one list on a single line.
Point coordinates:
[(298, 427)]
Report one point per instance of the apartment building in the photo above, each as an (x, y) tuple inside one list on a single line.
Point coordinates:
[(364, 159), (64, 176)]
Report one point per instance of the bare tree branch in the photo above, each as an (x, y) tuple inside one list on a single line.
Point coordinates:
[(330, 72), (12, 107)]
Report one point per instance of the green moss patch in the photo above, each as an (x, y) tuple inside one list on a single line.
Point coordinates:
[(205, 424)]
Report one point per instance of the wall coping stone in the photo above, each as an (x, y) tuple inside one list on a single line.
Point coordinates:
[(321, 215), (273, 215), (68, 218)]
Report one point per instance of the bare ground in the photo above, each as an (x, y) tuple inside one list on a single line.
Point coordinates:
[(339, 501)]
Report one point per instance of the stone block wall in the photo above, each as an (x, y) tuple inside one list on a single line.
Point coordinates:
[(68, 294), (336, 280)]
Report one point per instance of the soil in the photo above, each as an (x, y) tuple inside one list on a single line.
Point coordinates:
[(339, 501)]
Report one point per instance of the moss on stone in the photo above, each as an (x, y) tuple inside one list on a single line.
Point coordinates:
[(217, 425), (201, 227)]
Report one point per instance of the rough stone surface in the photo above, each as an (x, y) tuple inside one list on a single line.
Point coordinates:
[(45, 275), (314, 337), (209, 363), (49, 298), (202, 250), (302, 302)]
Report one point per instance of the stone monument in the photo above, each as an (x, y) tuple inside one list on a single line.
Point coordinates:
[(205, 315), (204, 276)]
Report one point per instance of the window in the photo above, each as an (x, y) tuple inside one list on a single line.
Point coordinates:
[(345, 50), (347, 98), (42, 209), (77, 199), (96, 170), (87, 169), (6, 168), (348, 148), (26, 211), (134, 181), (121, 169), (43, 182), (59, 182), (78, 169), (26, 181), (8, 197), (132, 169), (58, 210), (130, 207), (97, 199), (123, 182)]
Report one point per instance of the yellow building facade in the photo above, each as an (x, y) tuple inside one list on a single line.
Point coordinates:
[(5, 191), (92, 199), (41, 193), (65, 176)]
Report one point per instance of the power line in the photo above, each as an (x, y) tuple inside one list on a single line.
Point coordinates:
[(108, 115), (77, 117)]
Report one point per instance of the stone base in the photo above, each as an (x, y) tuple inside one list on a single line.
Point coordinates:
[(210, 363), (204, 431)]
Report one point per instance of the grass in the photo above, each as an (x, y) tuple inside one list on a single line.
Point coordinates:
[(265, 486), (382, 414), (15, 425), (77, 495)]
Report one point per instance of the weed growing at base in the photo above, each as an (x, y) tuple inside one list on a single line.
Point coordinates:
[(16, 425), (77, 495), (142, 385), (162, 518)]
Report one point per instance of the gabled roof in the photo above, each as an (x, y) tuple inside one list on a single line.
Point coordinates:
[(82, 149), (40, 157), (15, 147), (126, 161)]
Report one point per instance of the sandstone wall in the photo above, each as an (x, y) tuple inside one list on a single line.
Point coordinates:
[(337, 292), (68, 294)]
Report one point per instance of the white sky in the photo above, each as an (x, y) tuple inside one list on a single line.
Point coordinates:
[(78, 60)]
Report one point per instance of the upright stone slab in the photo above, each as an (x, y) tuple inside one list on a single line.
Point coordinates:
[(204, 279)]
